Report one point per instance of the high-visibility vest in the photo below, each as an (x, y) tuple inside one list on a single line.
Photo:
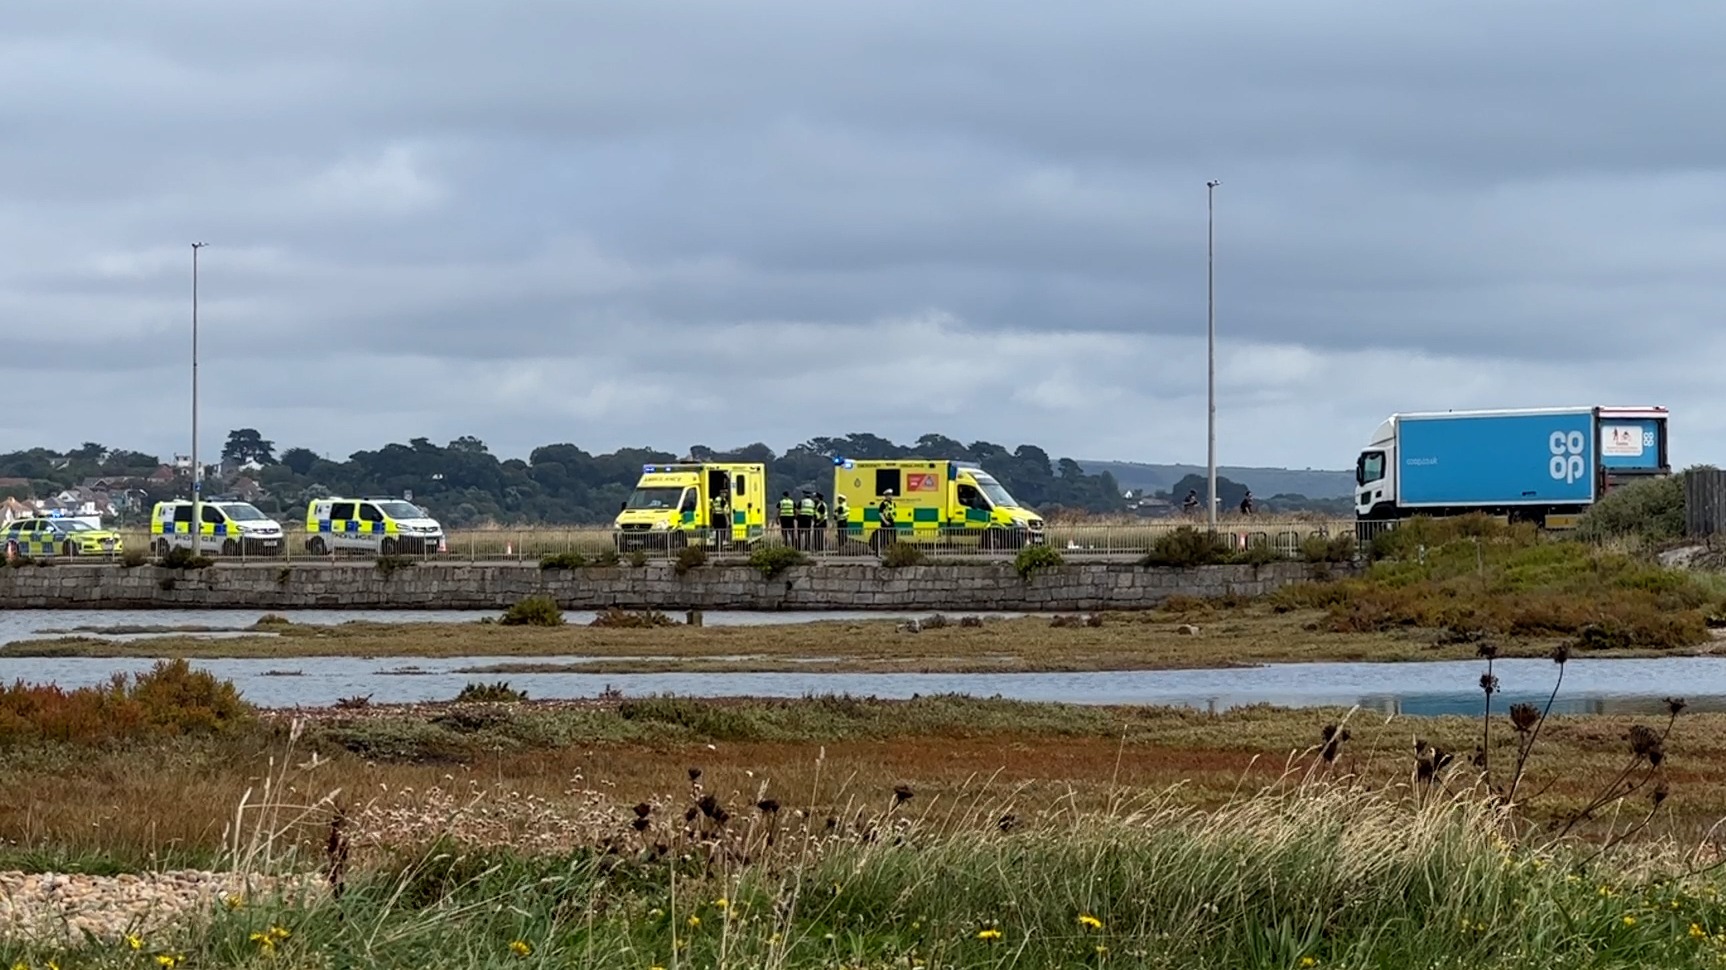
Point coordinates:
[(787, 508), (807, 507), (885, 509), (821, 511), (840, 511)]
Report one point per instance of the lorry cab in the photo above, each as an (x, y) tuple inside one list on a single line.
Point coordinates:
[(716, 504), (229, 528), (380, 526), (935, 500)]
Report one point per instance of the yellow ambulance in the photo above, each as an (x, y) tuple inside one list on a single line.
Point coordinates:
[(934, 500), (716, 504)]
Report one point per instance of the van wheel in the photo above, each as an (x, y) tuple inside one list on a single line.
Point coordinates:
[(69, 548), (315, 545), (230, 547), (388, 547)]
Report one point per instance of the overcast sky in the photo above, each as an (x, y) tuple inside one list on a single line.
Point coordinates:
[(661, 224)]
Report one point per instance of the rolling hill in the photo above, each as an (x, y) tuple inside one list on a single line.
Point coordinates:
[(1265, 482)]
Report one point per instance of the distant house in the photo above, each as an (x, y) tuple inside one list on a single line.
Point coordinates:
[(12, 510), (164, 474), (23, 483), (246, 490)]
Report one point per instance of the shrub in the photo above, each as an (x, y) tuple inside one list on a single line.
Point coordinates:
[(638, 558), (1651, 510), (533, 611), (182, 557), (606, 557), (773, 560), (1333, 549), (171, 698), (568, 560), (273, 620), (1186, 547), (498, 693), (1033, 558), (689, 557), (133, 558), (630, 620), (390, 565), (901, 554)]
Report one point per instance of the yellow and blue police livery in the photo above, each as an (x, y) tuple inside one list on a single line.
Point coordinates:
[(228, 528), (50, 536), (382, 526)]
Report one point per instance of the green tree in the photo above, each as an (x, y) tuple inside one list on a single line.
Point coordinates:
[(246, 444)]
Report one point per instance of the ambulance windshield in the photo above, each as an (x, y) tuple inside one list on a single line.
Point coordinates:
[(655, 498), (998, 496)]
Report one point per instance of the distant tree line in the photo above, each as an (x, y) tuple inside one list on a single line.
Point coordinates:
[(464, 484)]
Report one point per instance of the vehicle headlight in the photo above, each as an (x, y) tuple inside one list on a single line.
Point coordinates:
[(660, 526)]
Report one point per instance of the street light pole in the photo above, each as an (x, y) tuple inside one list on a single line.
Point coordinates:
[(1211, 344), (197, 469)]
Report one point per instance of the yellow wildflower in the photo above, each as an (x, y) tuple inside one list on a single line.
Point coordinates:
[(1090, 922), (234, 901), (989, 934), (167, 960), (1102, 950), (278, 933), (1629, 921), (694, 921), (1309, 961), (134, 941), (519, 948), (1697, 932), (721, 902), (20, 965)]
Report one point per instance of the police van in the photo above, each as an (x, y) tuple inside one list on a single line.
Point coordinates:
[(229, 529), (381, 526)]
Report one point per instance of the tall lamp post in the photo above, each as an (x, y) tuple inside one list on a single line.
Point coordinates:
[(1211, 343), (197, 469)]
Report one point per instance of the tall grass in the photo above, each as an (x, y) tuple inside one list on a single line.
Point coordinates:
[(1322, 873)]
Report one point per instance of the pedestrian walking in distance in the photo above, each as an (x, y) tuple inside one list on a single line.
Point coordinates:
[(787, 519)]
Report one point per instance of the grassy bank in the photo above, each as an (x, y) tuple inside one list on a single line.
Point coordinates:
[(829, 831)]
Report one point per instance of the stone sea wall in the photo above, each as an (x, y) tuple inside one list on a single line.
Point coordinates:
[(490, 586)]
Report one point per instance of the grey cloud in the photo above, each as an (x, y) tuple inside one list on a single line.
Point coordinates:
[(586, 222)]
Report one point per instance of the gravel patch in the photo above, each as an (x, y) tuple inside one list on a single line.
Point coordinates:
[(52, 907)]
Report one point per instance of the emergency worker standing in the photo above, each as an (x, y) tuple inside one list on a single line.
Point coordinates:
[(818, 525), (805, 520), (841, 520), (884, 510), (787, 519)]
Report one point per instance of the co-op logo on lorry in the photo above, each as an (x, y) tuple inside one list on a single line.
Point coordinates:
[(1567, 465)]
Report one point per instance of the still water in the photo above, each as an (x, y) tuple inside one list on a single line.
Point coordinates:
[(34, 624), (1590, 686)]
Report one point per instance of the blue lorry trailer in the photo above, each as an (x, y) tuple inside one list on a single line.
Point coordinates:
[(1544, 465)]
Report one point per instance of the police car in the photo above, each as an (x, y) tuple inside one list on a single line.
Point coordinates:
[(50, 536), (229, 528), (380, 526)]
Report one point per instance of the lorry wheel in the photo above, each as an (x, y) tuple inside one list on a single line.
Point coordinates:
[(230, 547), (315, 545)]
